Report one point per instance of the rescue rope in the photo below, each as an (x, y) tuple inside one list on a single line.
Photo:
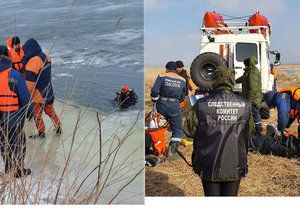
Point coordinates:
[(182, 156), (234, 17), (230, 17)]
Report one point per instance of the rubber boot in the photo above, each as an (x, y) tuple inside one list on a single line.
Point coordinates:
[(173, 145), (21, 171), (58, 130), (151, 160)]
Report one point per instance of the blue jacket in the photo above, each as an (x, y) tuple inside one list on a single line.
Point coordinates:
[(37, 70), (284, 104), (169, 90), (17, 84), (169, 85)]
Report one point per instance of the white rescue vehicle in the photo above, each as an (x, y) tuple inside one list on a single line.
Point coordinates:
[(229, 45)]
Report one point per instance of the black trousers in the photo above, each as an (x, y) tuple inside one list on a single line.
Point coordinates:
[(221, 188), (12, 141)]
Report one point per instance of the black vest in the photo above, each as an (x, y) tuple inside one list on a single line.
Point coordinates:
[(221, 140)]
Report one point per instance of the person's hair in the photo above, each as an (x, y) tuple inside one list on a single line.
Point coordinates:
[(179, 64), (15, 40)]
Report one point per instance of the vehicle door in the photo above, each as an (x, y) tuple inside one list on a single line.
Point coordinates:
[(243, 50)]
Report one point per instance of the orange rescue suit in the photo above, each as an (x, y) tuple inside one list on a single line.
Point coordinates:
[(15, 57), (9, 100)]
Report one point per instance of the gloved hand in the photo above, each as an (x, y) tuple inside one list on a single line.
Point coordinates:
[(192, 92), (173, 146), (277, 134), (286, 133)]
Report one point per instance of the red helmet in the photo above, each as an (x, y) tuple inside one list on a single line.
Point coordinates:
[(125, 88)]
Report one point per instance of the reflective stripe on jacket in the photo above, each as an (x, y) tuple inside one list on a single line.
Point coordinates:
[(169, 85), (8, 99)]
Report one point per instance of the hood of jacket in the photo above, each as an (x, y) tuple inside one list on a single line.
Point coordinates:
[(31, 48), (224, 78), (250, 62), (5, 63)]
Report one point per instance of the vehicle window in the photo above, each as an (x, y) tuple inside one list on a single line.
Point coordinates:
[(245, 50)]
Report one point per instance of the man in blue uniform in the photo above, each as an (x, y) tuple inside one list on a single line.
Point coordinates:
[(287, 107), (167, 92)]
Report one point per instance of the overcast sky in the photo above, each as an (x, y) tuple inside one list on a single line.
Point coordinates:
[(172, 26)]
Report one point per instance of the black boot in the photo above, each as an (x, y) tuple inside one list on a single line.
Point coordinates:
[(58, 130), (13, 167), (151, 160), (173, 145), (38, 135)]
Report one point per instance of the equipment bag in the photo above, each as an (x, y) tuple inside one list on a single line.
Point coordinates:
[(159, 141), (155, 129), (154, 120)]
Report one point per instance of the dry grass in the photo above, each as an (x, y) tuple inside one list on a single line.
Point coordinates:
[(268, 175), (150, 76)]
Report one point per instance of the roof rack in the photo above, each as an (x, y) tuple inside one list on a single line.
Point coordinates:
[(237, 30)]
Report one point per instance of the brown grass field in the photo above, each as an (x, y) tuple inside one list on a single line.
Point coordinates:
[(268, 175)]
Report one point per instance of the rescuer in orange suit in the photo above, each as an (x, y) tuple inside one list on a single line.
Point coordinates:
[(287, 102), (15, 52), (38, 80)]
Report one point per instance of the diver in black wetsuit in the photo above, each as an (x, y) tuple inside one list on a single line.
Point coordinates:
[(126, 97)]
